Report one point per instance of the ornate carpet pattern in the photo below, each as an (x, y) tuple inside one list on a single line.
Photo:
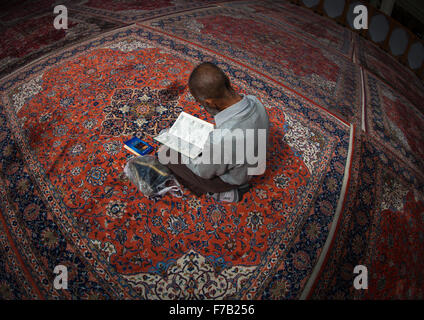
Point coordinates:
[(145, 244), (381, 228), (302, 21), (136, 10), (14, 11), (29, 38), (395, 122), (270, 46), (392, 72), (333, 196)]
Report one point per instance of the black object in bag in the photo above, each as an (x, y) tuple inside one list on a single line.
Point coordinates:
[(151, 177)]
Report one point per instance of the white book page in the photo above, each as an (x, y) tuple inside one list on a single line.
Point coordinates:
[(178, 144), (191, 129), (187, 135)]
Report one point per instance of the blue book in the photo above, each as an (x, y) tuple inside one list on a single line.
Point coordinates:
[(138, 146)]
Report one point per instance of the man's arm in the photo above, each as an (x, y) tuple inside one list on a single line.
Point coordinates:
[(209, 169)]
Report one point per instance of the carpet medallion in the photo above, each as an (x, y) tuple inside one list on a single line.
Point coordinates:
[(65, 119)]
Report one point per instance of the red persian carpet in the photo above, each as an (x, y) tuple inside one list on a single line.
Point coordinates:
[(392, 72), (31, 36), (76, 103), (136, 10), (343, 186), (303, 22)]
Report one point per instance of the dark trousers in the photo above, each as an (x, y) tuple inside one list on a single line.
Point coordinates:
[(198, 185)]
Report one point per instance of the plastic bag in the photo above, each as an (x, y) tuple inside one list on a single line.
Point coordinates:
[(151, 177)]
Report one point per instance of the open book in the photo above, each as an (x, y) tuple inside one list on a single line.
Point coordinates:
[(187, 135)]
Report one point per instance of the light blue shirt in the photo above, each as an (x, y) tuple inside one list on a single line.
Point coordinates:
[(248, 113)]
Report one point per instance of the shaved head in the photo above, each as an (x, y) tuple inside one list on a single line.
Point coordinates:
[(207, 81)]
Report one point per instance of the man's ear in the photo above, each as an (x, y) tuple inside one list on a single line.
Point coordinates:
[(213, 103), (209, 102)]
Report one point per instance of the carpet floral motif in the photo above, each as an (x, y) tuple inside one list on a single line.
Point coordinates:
[(134, 110), (396, 257), (193, 277)]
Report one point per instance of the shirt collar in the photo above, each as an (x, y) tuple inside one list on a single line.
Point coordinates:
[(231, 111)]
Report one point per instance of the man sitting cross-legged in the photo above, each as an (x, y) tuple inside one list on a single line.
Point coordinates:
[(226, 179)]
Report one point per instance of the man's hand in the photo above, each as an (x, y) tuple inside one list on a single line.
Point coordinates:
[(163, 148)]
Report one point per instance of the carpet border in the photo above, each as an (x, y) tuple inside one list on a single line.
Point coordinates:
[(26, 272), (387, 145), (310, 285)]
